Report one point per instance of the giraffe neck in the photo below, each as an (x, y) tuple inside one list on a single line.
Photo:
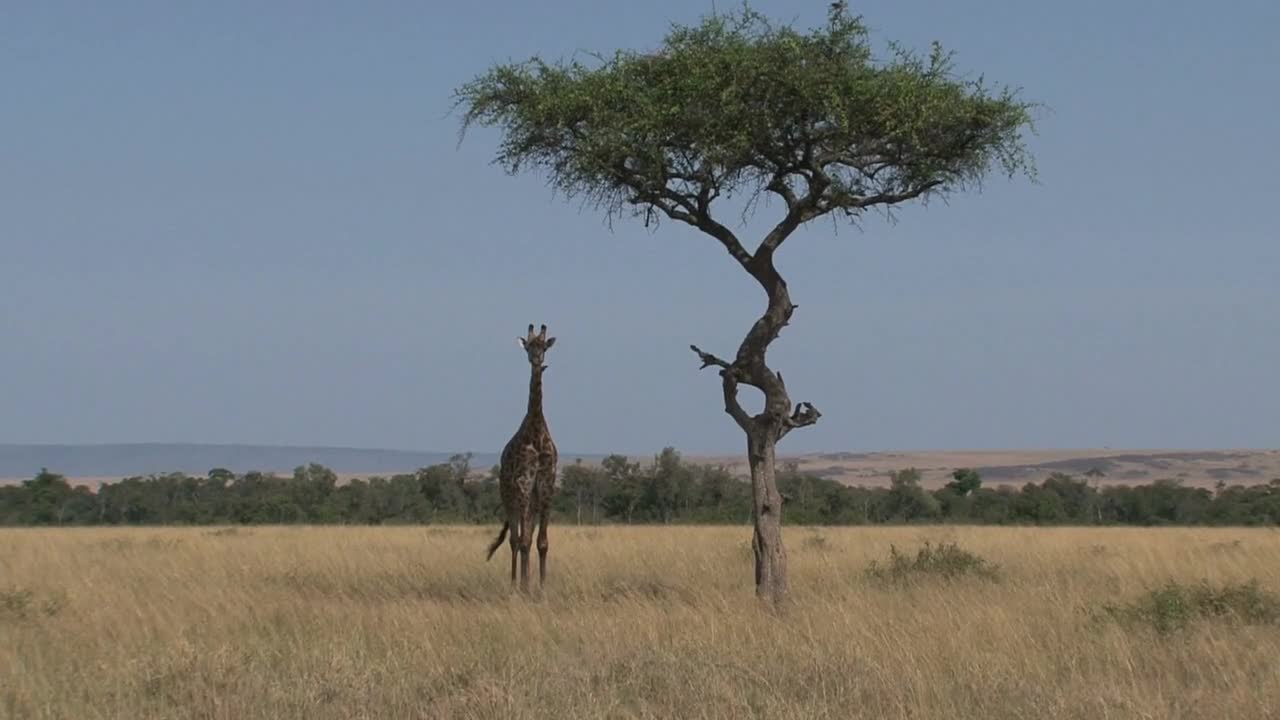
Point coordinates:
[(535, 394)]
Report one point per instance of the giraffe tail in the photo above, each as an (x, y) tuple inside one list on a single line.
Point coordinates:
[(502, 535)]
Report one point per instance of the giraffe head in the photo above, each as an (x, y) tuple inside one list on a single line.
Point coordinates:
[(535, 346)]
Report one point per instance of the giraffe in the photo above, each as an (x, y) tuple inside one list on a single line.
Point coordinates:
[(527, 474)]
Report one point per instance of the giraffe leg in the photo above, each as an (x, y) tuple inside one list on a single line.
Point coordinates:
[(542, 544), (515, 545), (526, 539)]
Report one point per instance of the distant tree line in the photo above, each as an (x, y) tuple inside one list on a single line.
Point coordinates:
[(618, 490)]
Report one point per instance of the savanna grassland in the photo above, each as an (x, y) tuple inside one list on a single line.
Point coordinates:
[(638, 622)]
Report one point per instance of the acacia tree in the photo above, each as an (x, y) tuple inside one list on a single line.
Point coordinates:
[(738, 106)]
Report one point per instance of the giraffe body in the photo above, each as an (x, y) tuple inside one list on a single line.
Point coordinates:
[(527, 472)]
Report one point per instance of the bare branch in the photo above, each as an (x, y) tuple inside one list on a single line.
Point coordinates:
[(844, 201), (778, 234), (778, 185), (805, 414), (709, 360), (730, 378), (799, 212), (691, 210), (731, 404), (726, 238)]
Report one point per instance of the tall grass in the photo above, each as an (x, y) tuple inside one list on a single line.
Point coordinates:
[(636, 622)]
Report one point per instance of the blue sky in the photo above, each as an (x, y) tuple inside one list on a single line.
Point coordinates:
[(252, 222)]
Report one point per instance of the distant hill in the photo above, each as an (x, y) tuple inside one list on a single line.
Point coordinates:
[(114, 461), (1201, 468)]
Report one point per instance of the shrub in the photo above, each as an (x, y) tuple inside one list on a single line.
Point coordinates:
[(945, 560), (228, 532), (1176, 606), (20, 603), (815, 542), (16, 602)]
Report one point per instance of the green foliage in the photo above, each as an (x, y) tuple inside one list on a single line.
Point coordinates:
[(956, 499), (625, 486), (908, 501), (736, 105), (582, 487), (945, 560), (1177, 606), (965, 481), (667, 489)]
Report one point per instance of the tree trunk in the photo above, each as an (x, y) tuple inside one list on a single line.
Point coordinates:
[(766, 517), (764, 430)]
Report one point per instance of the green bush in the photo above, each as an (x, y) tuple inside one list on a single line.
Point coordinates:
[(945, 560), (1176, 606)]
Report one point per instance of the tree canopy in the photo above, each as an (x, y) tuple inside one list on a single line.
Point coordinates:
[(738, 105)]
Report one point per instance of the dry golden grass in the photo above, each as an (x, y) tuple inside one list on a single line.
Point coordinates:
[(636, 622)]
